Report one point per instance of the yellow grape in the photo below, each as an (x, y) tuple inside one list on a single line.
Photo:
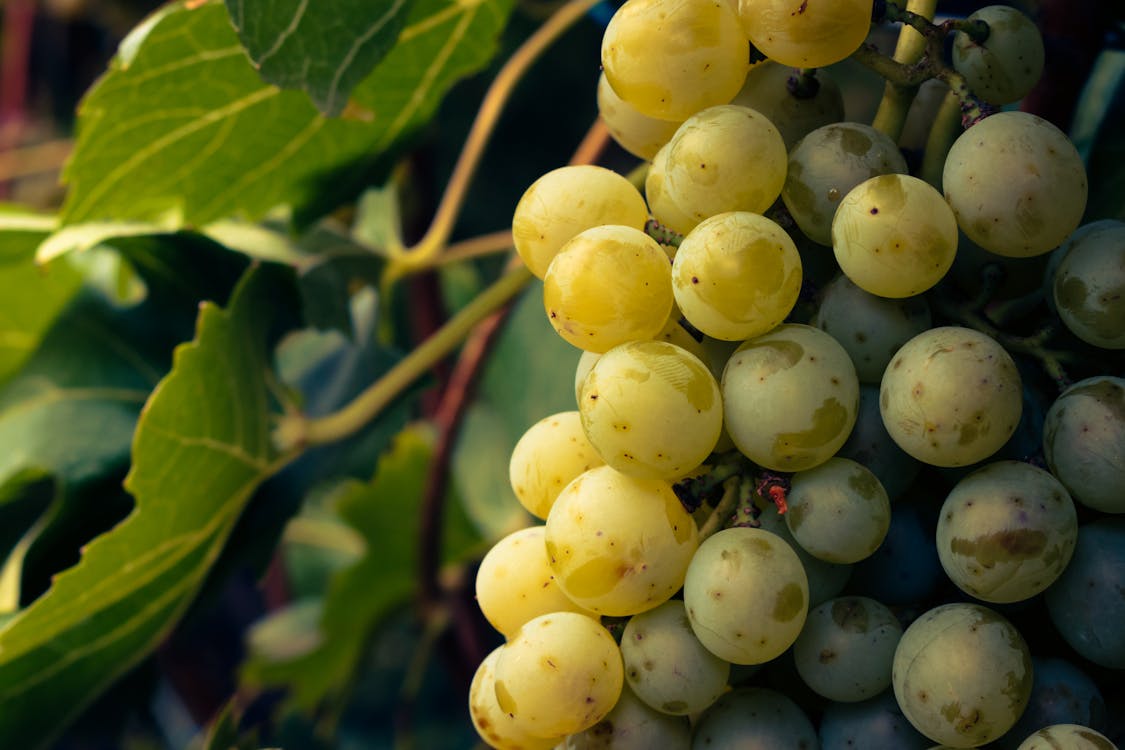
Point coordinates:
[(638, 134), (552, 452), (806, 33), (492, 723)]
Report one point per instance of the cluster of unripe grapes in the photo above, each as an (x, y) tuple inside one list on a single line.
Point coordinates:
[(735, 452)]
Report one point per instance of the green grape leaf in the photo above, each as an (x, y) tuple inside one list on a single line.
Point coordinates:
[(183, 131), (324, 48), (201, 448)]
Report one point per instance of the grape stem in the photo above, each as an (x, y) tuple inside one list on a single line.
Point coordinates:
[(945, 130), (803, 84), (725, 509)]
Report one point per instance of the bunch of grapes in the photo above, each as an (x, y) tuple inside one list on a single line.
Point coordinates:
[(721, 497)]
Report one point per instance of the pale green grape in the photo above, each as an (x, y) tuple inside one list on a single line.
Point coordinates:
[(736, 276), (1016, 184), (651, 409), (790, 398), (1056, 257), (838, 511), (619, 545), (951, 396), (1089, 287), (494, 725), (638, 134), (1084, 442), (766, 90), (826, 580), (1068, 736), (870, 328), (1006, 65), (632, 725), (606, 286), (746, 595), (962, 675), (754, 718), (566, 201), (515, 582), (724, 158), (894, 236), (846, 648), (559, 674), (824, 167), (552, 452), (671, 59), (809, 34), (666, 212), (1006, 532), (666, 665)]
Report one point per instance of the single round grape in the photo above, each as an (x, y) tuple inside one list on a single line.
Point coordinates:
[(894, 236), (638, 134), (827, 164), (664, 210), (746, 595), (559, 674), (1016, 184), (790, 398), (951, 396), (736, 276), (494, 725), (811, 34), (606, 286), (666, 665), (1084, 442), (724, 158), (1060, 694), (838, 511), (962, 674), (871, 445), (633, 725), (515, 582), (552, 452), (651, 409), (1055, 259), (826, 580), (619, 545), (754, 718), (766, 90), (1089, 287), (846, 648), (1006, 532), (670, 60), (1005, 66), (905, 569), (569, 200), (1069, 736), (1085, 603), (874, 724)]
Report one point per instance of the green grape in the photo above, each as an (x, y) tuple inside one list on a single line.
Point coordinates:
[(746, 595), (494, 725), (790, 398), (1055, 259), (870, 328), (846, 648), (1016, 184), (736, 276), (1006, 532), (608, 285), (1006, 65), (666, 665), (838, 511), (632, 725), (569, 200), (669, 60), (559, 674), (1084, 442), (638, 134), (766, 90), (651, 409), (619, 545), (962, 675), (951, 396), (666, 211), (826, 580), (871, 445), (552, 452), (1068, 736), (824, 167), (515, 582), (809, 34), (754, 718), (1089, 287), (894, 236)]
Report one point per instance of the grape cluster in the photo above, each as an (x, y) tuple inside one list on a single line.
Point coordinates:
[(721, 496)]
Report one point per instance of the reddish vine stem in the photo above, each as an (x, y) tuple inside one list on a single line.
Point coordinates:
[(19, 18)]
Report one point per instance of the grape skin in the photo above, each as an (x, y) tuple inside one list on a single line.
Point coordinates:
[(826, 580), (838, 511), (638, 134), (1084, 442), (870, 444), (1089, 287), (817, 34), (873, 724), (632, 725), (494, 725), (1008, 64), (1060, 694), (1069, 736), (766, 90), (754, 718), (846, 648), (551, 453)]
